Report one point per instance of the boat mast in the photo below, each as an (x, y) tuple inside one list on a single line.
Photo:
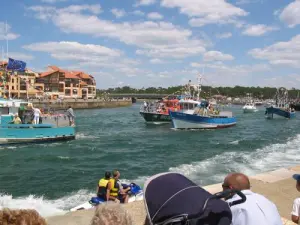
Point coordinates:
[(199, 86)]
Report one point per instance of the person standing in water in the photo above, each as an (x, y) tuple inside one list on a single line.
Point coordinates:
[(71, 116)]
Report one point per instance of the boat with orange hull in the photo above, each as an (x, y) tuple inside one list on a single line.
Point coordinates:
[(158, 112)]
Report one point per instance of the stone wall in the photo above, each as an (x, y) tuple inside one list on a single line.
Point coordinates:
[(82, 104)]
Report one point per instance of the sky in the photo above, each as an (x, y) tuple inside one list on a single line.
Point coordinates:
[(143, 43)]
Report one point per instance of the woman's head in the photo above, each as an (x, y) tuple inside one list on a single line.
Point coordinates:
[(21, 217)]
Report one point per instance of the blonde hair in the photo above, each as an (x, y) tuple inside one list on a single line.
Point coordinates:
[(111, 214), (21, 217)]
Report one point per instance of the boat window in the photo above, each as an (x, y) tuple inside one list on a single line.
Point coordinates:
[(4, 110), (185, 106)]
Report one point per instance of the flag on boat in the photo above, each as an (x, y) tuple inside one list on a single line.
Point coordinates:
[(16, 65)]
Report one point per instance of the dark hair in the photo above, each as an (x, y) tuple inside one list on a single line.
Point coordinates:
[(107, 175), (70, 107)]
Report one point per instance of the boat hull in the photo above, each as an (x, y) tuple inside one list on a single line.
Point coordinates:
[(186, 121), (155, 117), (249, 110), (271, 111), (29, 134)]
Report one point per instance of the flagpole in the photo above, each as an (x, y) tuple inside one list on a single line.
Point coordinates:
[(6, 41)]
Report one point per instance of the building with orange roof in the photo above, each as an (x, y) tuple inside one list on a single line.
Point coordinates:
[(60, 83)]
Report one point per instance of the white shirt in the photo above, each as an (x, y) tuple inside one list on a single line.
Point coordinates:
[(36, 112), (296, 207), (256, 210)]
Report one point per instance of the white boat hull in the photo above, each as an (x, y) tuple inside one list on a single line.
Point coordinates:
[(87, 205), (182, 124), (249, 110)]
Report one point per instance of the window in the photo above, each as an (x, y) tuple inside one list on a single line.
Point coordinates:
[(68, 92)]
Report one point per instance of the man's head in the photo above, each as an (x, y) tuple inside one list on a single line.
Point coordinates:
[(116, 174), (70, 107), (237, 181), (297, 178), (111, 214), (21, 216), (107, 175)]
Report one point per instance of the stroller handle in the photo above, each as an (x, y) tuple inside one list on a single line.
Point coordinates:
[(231, 192)]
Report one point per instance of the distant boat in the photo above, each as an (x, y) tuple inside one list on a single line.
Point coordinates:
[(282, 107), (249, 107)]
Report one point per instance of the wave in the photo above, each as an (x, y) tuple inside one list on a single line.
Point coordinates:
[(45, 206), (84, 136), (63, 157), (209, 171)]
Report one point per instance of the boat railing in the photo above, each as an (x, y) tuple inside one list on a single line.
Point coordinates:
[(56, 120), (152, 108)]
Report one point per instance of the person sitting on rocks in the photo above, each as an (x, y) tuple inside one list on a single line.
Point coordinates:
[(257, 209), (111, 214), (21, 217)]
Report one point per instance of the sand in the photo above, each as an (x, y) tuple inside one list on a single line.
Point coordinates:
[(278, 186)]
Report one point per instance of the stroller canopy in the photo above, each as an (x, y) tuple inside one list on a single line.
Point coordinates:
[(171, 197)]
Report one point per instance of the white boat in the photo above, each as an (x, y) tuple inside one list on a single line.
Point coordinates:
[(249, 108)]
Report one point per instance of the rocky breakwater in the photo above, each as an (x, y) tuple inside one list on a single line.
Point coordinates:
[(81, 103)]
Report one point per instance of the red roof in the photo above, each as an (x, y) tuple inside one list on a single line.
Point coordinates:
[(70, 75), (47, 73), (54, 68), (3, 63)]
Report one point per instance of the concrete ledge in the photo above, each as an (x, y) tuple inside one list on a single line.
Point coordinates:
[(274, 176)]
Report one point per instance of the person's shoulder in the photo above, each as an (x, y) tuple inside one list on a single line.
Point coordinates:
[(297, 201)]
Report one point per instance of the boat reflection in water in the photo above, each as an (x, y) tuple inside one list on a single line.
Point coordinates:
[(52, 127)]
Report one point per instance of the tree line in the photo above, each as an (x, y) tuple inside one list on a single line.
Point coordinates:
[(207, 91)]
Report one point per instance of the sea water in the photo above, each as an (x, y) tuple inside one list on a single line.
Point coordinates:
[(54, 177)]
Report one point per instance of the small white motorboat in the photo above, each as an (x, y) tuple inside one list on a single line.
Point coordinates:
[(249, 107)]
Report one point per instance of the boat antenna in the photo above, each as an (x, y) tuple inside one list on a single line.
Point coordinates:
[(199, 86), (6, 29)]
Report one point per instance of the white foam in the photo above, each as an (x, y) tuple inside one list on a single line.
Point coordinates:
[(84, 136), (44, 206), (63, 157)]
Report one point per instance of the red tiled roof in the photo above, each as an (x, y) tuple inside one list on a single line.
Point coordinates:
[(54, 68), (70, 75), (47, 73)]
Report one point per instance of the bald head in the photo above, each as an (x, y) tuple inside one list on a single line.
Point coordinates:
[(237, 181)]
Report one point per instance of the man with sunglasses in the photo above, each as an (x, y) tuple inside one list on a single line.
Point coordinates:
[(296, 205), (256, 209)]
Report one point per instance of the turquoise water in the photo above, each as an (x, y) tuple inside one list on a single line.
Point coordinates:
[(55, 177)]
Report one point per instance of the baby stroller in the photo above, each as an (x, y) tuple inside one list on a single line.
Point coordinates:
[(172, 199)]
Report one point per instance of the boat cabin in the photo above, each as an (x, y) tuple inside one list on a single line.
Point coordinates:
[(188, 106)]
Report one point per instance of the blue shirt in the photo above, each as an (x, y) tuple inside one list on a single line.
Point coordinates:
[(256, 210)]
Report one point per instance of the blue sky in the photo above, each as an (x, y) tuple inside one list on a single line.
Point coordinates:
[(145, 43)]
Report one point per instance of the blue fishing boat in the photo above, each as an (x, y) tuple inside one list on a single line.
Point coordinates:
[(200, 114), (201, 118), (282, 107), (52, 127)]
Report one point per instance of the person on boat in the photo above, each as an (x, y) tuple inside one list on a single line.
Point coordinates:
[(103, 185), (16, 119), (37, 113), (116, 190), (71, 116)]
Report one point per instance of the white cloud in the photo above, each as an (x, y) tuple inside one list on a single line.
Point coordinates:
[(5, 32), (118, 12), (216, 56), (138, 13), (145, 2), (280, 53), (258, 30), (75, 51), (224, 35), (20, 56), (156, 61), (290, 14), (203, 12), (155, 36), (243, 2), (155, 16), (53, 1)]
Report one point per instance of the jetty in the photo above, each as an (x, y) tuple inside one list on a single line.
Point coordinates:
[(278, 186)]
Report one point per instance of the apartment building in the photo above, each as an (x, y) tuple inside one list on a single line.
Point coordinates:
[(59, 83)]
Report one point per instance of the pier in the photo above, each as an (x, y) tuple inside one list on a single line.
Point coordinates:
[(82, 103)]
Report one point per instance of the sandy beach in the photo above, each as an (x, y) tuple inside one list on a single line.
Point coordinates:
[(276, 185)]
